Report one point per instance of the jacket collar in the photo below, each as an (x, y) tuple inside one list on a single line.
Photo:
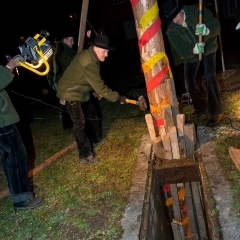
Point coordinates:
[(93, 54)]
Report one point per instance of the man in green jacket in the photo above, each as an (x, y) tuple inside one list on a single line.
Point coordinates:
[(81, 76), (14, 156), (183, 33)]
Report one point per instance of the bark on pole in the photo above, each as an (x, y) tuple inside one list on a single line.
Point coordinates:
[(152, 52), (83, 22)]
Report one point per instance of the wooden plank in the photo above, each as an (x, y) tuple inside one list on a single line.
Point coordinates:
[(199, 211), (187, 172), (162, 130), (175, 201), (167, 147), (180, 124), (182, 147), (234, 153), (190, 138), (177, 231), (150, 125), (172, 98), (158, 147), (190, 210), (174, 142), (167, 116)]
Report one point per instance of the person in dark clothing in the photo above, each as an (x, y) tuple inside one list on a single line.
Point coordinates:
[(183, 33), (14, 156), (19, 90), (80, 77), (63, 55)]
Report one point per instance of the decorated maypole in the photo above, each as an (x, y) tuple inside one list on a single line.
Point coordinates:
[(172, 138), (158, 76)]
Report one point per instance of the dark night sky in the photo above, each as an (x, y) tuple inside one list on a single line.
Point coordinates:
[(27, 18)]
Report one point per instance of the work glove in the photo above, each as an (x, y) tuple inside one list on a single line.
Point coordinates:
[(201, 29), (122, 100), (238, 26), (199, 48)]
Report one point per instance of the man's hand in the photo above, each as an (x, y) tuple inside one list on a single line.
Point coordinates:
[(12, 64), (201, 29), (98, 96), (122, 100), (199, 48)]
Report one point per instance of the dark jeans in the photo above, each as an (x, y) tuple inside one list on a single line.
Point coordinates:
[(93, 129), (214, 101), (25, 132), (14, 163), (79, 125), (66, 118)]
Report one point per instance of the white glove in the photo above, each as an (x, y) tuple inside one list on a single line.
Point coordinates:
[(238, 26), (199, 48), (201, 29)]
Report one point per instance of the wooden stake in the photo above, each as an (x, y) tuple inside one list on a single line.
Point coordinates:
[(82, 27)]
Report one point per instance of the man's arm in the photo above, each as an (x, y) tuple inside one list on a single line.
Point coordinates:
[(93, 77)]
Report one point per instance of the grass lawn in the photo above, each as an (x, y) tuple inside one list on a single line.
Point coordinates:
[(81, 201), (88, 201)]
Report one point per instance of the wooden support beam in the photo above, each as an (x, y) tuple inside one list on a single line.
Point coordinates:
[(158, 147), (234, 153), (190, 138), (174, 142), (182, 147), (199, 211), (177, 171), (150, 125), (175, 201), (177, 231), (167, 116), (190, 211), (180, 124), (167, 147)]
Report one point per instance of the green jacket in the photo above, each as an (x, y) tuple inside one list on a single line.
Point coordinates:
[(82, 75), (8, 113), (62, 57), (184, 39)]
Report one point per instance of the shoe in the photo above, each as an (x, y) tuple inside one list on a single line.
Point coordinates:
[(89, 160), (215, 120), (198, 113), (29, 204)]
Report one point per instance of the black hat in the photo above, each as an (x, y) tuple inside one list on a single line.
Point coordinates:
[(65, 34), (101, 41), (170, 9)]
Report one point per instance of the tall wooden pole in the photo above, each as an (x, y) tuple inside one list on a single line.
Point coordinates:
[(154, 60), (83, 22)]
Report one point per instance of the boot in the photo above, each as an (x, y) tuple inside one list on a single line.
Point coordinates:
[(26, 201)]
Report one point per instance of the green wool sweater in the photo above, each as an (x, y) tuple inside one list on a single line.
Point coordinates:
[(8, 113), (82, 75), (184, 39)]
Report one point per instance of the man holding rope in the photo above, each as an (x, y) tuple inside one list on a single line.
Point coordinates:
[(183, 33)]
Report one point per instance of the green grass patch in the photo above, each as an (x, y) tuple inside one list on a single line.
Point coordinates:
[(81, 201)]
